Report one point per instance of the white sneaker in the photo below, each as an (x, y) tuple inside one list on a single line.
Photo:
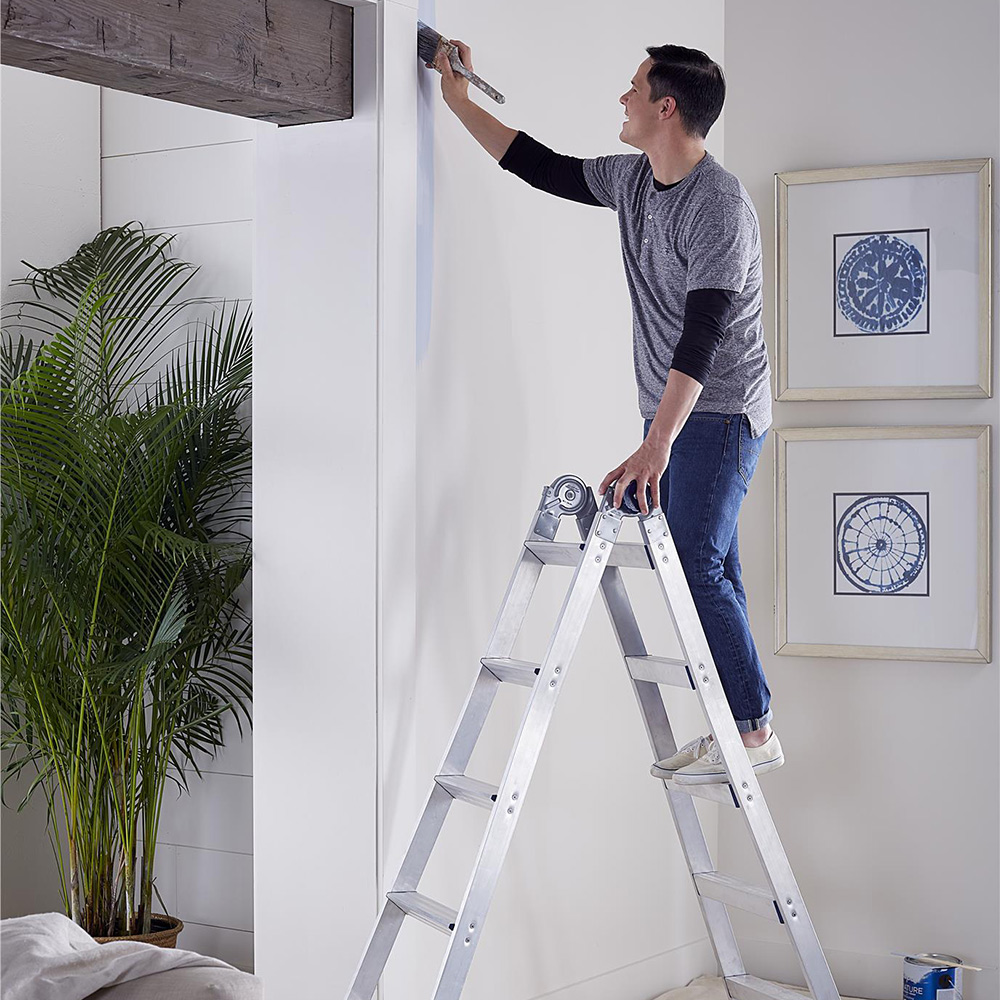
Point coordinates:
[(710, 768), (687, 754)]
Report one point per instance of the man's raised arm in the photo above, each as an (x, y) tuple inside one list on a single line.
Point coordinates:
[(515, 151)]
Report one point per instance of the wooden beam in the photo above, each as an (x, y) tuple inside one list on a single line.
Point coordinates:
[(283, 61)]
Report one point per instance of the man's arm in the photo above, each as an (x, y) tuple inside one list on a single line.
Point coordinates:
[(706, 315), (490, 133), (515, 151)]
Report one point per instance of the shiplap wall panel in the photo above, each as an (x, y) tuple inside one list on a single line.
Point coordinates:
[(179, 187), (49, 134), (223, 252), (216, 813), (190, 172), (165, 877), (237, 757), (215, 887), (232, 946), (132, 125)]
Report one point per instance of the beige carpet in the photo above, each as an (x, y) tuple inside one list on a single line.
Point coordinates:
[(714, 988)]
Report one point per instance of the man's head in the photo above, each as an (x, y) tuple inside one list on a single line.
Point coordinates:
[(676, 89)]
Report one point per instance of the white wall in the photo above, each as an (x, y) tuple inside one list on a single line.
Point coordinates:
[(51, 203), (319, 529), (890, 818), (527, 374)]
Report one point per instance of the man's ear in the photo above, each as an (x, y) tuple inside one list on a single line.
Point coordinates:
[(667, 106)]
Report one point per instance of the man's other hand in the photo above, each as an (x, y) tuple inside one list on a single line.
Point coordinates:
[(644, 467)]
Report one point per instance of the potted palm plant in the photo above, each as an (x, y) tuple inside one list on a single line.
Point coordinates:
[(125, 494)]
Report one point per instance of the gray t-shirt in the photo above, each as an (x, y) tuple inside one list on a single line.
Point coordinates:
[(699, 233)]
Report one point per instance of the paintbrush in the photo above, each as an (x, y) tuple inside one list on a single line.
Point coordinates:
[(429, 43)]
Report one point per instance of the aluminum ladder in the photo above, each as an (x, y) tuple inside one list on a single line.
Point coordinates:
[(598, 562)]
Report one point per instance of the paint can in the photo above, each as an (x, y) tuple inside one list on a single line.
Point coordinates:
[(932, 977)]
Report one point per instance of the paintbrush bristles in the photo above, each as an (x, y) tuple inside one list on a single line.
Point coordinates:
[(429, 43)]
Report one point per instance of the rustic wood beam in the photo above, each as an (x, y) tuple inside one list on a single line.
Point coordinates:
[(283, 61)]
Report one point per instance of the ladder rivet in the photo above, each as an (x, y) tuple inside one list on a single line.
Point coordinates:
[(472, 927), (745, 785), (468, 940), (514, 797), (701, 666), (558, 670), (552, 684), (666, 559), (794, 914), (705, 679), (661, 545), (789, 901), (510, 809), (604, 545), (749, 798), (598, 558)]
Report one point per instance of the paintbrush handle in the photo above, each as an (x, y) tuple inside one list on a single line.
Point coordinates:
[(456, 64)]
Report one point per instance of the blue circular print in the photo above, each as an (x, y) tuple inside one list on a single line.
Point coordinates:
[(881, 543), (881, 283)]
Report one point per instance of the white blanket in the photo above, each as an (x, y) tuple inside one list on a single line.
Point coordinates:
[(46, 956)]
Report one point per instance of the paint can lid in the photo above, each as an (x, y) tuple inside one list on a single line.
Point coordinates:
[(933, 958)]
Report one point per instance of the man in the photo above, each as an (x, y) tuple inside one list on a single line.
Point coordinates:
[(691, 247)]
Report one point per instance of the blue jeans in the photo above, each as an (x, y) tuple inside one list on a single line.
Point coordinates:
[(711, 464)]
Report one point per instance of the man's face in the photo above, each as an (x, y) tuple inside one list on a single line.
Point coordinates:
[(641, 115)]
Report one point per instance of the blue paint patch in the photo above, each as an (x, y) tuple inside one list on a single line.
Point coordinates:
[(881, 283), (428, 89)]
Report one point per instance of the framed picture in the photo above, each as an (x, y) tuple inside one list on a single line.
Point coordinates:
[(883, 542), (884, 281)]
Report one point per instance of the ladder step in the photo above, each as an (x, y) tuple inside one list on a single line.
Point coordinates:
[(521, 672), (735, 892), (627, 554), (660, 670), (479, 793), (752, 988), (426, 909), (717, 792)]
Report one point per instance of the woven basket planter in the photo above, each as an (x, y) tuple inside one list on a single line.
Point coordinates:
[(163, 935)]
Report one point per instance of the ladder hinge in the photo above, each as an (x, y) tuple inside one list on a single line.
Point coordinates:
[(546, 525), (610, 524), (655, 528)]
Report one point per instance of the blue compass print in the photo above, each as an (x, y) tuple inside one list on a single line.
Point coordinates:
[(882, 282), (881, 543)]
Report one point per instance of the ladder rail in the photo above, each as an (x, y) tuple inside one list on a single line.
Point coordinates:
[(521, 763), (661, 738), (508, 622), (763, 833)]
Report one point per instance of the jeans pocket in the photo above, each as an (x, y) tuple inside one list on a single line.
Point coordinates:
[(749, 450)]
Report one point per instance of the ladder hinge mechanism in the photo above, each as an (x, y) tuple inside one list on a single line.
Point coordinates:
[(567, 495), (610, 524)]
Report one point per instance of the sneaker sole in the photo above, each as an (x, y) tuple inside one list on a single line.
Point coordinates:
[(719, 777), (658, 772)]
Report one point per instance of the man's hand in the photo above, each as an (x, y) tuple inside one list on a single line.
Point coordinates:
[(454, 86), (645, 466)]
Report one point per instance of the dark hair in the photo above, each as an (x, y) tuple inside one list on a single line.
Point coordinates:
[(693, 80)]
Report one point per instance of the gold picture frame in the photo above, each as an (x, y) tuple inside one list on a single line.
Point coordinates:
[(981, 386), (980, 434)]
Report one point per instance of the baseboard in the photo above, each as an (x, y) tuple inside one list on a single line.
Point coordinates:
[(645, 979), (856, 974)]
